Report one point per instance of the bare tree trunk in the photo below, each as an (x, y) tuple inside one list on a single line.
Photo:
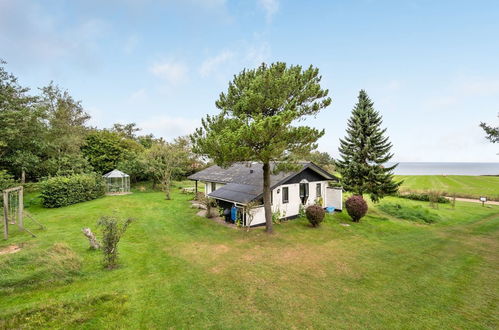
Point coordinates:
[(23, 176), (167, 180), (266, 198), (94, 244), (167, 191)]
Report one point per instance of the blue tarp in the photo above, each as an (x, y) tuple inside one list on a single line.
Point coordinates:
[(329, 209)]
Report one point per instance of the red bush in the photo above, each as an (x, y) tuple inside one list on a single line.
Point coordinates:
[(315, 215), (356, 207)]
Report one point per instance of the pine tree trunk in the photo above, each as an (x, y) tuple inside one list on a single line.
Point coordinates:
[(266, 198)]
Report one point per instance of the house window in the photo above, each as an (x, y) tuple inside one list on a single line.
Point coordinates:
[(318, 190), (303, 192), (213, 186), (285, 195)]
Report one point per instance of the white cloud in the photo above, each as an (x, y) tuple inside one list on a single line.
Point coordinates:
[(244, 54), (131, 44), (172, 71), (208, 3), (169, 127), (138, 95), (478, 86), (460, 144), (257, 53), (443, 101), (463, 89), (32, 34), (270, 7), (211, 64), (96, 116), (393, 85)]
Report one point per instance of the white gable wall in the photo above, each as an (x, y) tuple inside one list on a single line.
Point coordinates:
[(292, 208), (207, 186)]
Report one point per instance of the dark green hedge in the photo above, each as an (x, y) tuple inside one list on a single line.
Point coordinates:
[(66, 190)]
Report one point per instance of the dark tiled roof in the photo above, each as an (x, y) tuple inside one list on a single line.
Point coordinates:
[(250, 173), (236, 192), (244, 180)]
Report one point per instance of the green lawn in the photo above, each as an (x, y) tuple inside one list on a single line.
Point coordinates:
[(183, 271), (461, 185)]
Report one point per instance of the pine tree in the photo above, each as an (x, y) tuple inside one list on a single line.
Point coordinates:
[(258, 120), (364, 151), (492, 132)]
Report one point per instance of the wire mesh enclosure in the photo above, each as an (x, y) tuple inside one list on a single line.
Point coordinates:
[(117, 182), (12, 208)]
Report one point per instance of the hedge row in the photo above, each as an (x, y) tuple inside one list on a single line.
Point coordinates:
[(62, 191), (424, 197)]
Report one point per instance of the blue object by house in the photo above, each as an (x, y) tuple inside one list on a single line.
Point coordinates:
[(329, 209), (233, 213)]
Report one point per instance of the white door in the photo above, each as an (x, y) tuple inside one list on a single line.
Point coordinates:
[(334, 198)]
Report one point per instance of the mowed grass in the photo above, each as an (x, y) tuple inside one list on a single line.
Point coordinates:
[(183, 271), (461, 185)]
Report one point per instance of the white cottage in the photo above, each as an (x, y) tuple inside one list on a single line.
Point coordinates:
[(242, 183)]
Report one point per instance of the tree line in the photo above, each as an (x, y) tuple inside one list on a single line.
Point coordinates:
[(47, 134)]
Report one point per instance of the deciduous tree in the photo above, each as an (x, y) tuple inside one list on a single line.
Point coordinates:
[(67, 129), (105, 149), (163, 161), (22, 127)]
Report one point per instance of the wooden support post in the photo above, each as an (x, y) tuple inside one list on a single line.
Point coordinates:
[(20, 210), (5, 216), (196, 192)]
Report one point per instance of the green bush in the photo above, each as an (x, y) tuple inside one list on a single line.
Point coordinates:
[(423, 197), (315, 215), (6, 180), (62, 191), (112, 231), (413, 213), (356, 207)]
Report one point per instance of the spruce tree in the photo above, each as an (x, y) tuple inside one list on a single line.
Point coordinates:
[(364, 151)]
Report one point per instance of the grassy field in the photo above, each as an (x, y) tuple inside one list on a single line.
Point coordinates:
[(461, 185), (183, 271)]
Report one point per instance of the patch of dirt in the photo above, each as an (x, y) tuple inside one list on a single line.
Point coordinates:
[(217, 269), (198, 205), (10, 249), (216, 218)]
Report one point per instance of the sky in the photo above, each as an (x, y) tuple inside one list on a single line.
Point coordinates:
[(431, 67)]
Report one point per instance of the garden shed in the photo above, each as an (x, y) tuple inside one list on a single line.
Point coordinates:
[(117, 182)]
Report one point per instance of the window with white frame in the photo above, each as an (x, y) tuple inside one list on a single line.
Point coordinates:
[(285, 195)]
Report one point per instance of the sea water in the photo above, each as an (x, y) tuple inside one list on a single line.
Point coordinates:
[(431, 168)]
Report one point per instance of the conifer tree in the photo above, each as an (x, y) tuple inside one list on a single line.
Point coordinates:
[(492, 132), (364, 151), (258, 120)]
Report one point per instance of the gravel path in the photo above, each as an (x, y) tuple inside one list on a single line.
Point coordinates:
[(474, 201)]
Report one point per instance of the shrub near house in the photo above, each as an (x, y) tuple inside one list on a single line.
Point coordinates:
[(356, 207), (63, 191), (315, 214)]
